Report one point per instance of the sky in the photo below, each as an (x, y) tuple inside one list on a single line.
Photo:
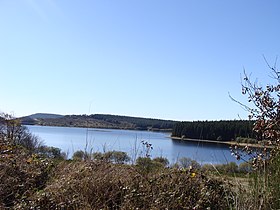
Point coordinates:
[(165, 59)]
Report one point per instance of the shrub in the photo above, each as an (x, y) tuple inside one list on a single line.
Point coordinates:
[(14, 133), (50, 152), (273, 177), (164, 161), (98, 156), (189, 163), (147, 165), (116, 157), (264, 190), (101, 185), (21, 174), (80, 155)]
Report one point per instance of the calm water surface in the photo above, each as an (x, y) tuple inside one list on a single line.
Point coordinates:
[(72, 139)]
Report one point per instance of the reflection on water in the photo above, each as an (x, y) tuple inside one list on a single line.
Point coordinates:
[(203, 152), (99, 140)]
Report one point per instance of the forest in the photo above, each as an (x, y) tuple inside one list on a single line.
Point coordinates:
[(224, 130), (140, 123), (99, 121)]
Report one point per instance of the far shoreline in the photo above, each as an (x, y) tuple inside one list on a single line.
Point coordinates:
[(229, 143), (105, 128)]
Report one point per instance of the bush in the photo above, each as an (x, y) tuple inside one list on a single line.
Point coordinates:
[(21, 174), (98, 156), (164, 161), (79, 155), (14, 133), (51, 152), (101, 185), (147, 165), (189, 163), (118, 157)]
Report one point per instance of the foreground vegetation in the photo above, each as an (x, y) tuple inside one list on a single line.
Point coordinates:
[(34, 176), (34, 179)]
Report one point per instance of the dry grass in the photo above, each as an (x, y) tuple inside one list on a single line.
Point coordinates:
[(99, 185)]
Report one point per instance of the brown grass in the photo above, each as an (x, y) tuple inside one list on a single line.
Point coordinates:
[(99, 185)]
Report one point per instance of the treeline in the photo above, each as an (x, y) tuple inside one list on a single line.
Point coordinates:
[(140, 123), (224, 130), (100, 121)]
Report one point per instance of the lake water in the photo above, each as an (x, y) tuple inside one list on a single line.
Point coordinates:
[(70, 139)]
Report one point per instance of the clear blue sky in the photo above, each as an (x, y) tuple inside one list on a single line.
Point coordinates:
[(170, 59)]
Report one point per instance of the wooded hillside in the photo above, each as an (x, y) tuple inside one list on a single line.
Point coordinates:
[(102, 121), (214, 130)]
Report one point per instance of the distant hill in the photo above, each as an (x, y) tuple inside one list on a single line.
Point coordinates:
[(36, 119), (28, 121), (45, 116), (99, 121)]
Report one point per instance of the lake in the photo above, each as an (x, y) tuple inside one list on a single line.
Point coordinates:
[(70, 139)]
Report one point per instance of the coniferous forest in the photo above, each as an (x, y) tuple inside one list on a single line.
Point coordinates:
[(224, 130)]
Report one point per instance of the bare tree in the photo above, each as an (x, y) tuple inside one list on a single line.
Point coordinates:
[(12, 131), (264, 109)]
